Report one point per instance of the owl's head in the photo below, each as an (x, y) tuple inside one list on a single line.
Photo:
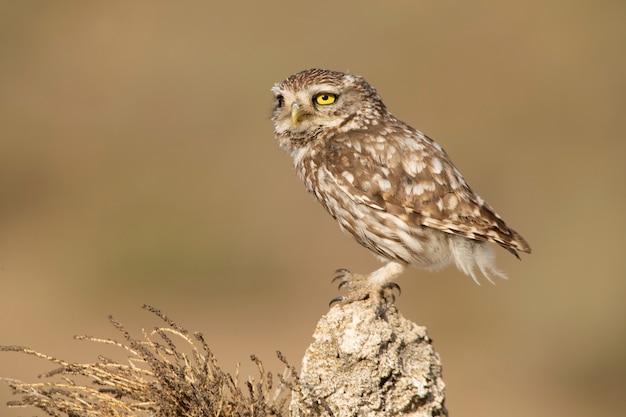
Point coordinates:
[(312, 101)]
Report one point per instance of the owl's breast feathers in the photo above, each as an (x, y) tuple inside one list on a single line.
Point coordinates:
[(398, 170)]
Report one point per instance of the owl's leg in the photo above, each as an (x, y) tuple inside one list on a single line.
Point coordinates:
[(378, 284)]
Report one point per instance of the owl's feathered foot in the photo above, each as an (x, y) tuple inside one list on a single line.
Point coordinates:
[(376, 285)]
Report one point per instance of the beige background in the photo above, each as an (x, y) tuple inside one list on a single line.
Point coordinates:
[(138, 165)]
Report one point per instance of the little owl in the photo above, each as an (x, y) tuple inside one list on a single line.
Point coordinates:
[(391, 187)]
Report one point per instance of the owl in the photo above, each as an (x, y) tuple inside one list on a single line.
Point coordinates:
[(388, 185)]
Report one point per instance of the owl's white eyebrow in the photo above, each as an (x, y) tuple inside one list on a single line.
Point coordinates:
[(326, 88)]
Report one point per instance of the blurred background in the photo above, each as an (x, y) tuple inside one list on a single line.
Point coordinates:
[(138, 165)]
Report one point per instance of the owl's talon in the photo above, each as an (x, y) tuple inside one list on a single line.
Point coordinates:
[(338, 299), (344, 284), (387, 292), (392, 286), (341, 273)]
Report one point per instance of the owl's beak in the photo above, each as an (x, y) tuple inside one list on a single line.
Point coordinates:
[(296, 113)]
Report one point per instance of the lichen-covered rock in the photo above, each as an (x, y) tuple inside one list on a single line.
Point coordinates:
[(368, 360)]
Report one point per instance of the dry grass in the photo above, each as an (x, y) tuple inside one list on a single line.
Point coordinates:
[(170, 372)]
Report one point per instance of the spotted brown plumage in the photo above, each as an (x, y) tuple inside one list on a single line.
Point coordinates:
[(391, 187)]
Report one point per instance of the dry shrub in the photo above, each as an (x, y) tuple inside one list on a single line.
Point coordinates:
[(160, 379)]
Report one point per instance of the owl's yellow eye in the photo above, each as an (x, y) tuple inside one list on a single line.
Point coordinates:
[(325, 98)]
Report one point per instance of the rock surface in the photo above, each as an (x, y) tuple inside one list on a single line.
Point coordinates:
[(368, 360)]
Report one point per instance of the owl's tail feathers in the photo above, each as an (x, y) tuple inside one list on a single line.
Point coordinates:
[(513, 242), (469, 254)]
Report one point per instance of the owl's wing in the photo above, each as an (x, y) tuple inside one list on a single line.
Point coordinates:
[(407, 174)]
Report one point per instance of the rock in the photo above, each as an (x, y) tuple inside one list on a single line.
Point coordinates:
[(368, 360)]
